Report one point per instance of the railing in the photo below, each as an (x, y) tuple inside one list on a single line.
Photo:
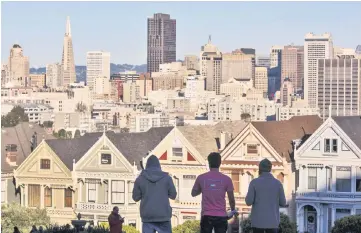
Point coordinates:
[(102, 207), (328, 195)]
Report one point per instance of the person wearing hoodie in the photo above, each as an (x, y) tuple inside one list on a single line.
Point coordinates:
[(266, 196), (153, 188)]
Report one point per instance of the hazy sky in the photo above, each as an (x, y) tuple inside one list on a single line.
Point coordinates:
[(121, 27)]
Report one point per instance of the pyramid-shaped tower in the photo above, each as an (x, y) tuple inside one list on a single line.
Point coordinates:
[(68, 66)]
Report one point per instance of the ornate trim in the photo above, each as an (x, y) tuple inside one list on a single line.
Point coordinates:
[(105, 175), (7, 175)]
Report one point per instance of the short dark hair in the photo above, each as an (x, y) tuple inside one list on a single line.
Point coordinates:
[(214, 160), (115, 207)]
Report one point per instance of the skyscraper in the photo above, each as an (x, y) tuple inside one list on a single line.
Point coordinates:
[(53, 75), (67, 61), (97, 66), (18, 65), (161, 41), (316, 47), (292, 66)]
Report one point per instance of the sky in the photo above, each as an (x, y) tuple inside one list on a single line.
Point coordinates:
[(121, 27)]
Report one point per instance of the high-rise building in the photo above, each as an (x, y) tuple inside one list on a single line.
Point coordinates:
[(292, 66), (18, 65), (339, 87), (338, 51), (161, 41), (191, 62), (37, 80), (358, 51), (275, 56), (97, 65), (263, 61), (286, 92), (211, 66), (53, 75), (274, 74), (261, 79), (316, 47), (67, 62), (240, 64)]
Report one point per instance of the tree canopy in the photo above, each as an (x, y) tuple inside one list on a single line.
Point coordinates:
[(16, 215), (286, 226), (188, 227), (77, 134), (14, 117), (349, 224)]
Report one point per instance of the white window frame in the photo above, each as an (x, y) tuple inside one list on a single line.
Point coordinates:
[(117, 189), (350, 171), (308, 178), (331, 146), (90, 188)]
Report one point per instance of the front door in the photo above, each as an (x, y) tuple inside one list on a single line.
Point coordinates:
[(311, 222)]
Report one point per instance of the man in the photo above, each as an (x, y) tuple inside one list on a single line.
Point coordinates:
[(213, 186), (115, 221), (154, 188), (266, 196)]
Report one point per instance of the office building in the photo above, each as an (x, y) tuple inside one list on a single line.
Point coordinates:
[(67, 62), (97, 65), (18, 65), (316, 47), (37, 80), (191, 62), (53, 75), (292, 65), (161, 41), (263, 61), (261, 79), (275, 56)]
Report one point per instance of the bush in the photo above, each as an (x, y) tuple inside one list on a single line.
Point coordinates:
[(286, 226), (126, 228), (188, 227), (349, 224)]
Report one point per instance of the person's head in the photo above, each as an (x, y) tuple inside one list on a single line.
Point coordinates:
[(214, 160), (34, 228), (153, 163), (265, 166), (16, 229), (41, 228), (115, 210)]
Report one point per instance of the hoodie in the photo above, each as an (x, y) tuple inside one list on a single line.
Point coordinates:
[(153, 188)]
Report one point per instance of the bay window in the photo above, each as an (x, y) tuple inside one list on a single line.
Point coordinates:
[(343, 179), (118, 191)]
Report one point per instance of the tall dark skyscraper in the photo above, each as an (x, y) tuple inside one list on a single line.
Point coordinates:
[(161, 41)]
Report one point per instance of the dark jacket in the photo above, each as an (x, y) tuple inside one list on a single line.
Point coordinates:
[(153, 188), (266, 195), (115, 223)]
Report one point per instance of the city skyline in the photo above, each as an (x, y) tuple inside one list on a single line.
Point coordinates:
[(45, 46)]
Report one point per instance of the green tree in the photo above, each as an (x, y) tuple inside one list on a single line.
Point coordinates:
[(69, 134), (48, 124), (14, 117), (245, 116), (188, 227), (349, 224), (16, 215), (286, 226), (77, 134), (126, 228), (62, 133)]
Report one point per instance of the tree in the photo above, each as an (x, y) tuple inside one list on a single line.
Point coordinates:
[(77, 134), (14, 117), (48, 124), (16, 215), (124, 130), (286, 226), (188, 227), (245, 116), (349, 224), (69, 134), (62, 133), (126, 228), (80, 107)]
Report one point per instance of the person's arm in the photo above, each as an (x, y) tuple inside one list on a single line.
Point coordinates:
[(282, 197), (250, 194), (230, 194), (137, 192), (113, 221), (197, 189), (172, 192)]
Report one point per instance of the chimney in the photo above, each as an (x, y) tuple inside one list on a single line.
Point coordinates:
[(224, 140)]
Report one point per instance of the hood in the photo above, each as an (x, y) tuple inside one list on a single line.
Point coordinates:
[(153, 171)]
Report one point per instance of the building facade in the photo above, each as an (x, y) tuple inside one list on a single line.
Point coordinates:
[(37, 80), (53, 75), (162, 34), (18, 65), (261, 79), (67, 61), (292, 65)]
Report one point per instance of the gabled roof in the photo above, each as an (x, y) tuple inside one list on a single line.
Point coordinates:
[(21, 136), (205, 138), (280, 134), (351, 125), (133, 146)]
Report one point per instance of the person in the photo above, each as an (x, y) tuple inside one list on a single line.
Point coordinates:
[(34, 229), (115, 221), (16, 230), (213, 186), (266, 196), (41, 230), (153, 188)]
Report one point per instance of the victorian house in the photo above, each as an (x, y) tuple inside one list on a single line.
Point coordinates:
[(272, 140), (329, 174), (87, 175), (183, 154)]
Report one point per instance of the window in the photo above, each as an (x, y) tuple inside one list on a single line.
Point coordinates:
[(187, 185), (252, 149), (45, 164), (334, 145), (328, 178), (130, 193), (341, 213), (106, 193), (48, 197), (331, 145), (34, 195), (358, 179), (68, 198), (106, 159), (92, 189), (177, 151), (3, 191), (11, 148), (317, 146), (118, 193), (235, 179), (312, 178), (344, 147), (343, 179), (327, 145)]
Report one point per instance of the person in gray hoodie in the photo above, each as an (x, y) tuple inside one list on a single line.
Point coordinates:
[(266, 196), (153, 188)]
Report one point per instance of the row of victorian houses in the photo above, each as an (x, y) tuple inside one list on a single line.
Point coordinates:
[(318, 162)]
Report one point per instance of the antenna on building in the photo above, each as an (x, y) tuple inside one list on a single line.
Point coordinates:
[(210, 39)]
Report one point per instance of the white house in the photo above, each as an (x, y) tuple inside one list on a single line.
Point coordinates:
[(328, 174)]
